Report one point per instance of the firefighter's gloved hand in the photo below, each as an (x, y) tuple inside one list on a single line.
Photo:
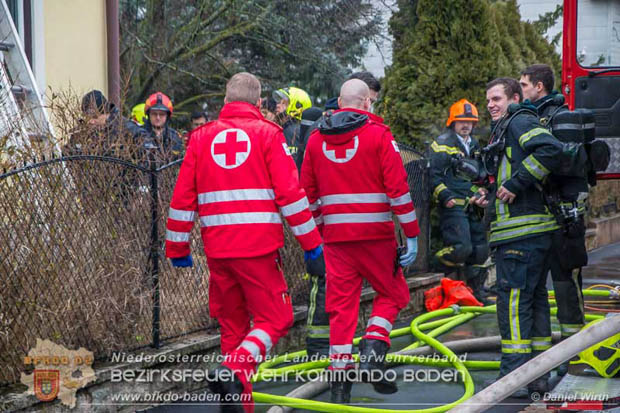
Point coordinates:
[(412, 251), (183, 261), (315, 261)]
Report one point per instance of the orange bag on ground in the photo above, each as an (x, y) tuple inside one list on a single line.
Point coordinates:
[(450, 292), (433, 298)]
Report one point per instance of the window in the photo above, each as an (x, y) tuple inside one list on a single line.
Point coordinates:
[(598, 33)]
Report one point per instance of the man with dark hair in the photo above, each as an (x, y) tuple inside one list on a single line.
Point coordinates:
[(537, 83), (198, 119), (521, 155), (372, 83)]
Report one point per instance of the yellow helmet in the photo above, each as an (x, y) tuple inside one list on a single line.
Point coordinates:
[(603, 357), (298, 100), (137, 113)]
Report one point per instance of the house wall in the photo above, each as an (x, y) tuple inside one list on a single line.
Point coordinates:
[(75, 45)]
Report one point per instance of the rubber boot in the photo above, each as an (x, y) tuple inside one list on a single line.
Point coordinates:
[(540, 386), (562, 369), (224, 381), (372, 365), (340, 391), (476, 277)]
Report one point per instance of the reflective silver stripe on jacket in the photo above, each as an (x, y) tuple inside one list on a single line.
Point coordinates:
[(236, 195), (294, 207), (175, 236), (304, 228), (319, 220), (241, 218), (361, 218), (525, 220), (401, 200), (379, 322), (315, 205), (180, 215), (370, 198), (406, 218)]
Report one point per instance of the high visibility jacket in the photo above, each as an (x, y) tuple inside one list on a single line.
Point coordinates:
[(355, 178), (238, 173), (446, 185), (530, 154)]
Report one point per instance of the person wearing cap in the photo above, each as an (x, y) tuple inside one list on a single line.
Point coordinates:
[(159, 136), (462, 229), (105, 132)]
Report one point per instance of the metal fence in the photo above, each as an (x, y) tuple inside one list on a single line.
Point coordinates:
[(82, 257)]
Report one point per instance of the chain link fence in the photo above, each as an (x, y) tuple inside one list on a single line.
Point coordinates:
[(82, 259)]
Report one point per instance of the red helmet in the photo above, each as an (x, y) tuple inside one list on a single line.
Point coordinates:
[(158, 101)]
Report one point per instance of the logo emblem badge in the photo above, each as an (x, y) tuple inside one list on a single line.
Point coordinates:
[(341, 153), (46, 384), (231, 148)]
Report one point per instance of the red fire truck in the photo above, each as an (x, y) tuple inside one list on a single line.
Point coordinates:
[(591, 68)]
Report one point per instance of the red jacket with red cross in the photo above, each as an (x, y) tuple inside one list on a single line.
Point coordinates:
[(239, 176), (355, 179)]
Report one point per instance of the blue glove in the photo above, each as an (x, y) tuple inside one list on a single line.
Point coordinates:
[(315, 261), (313, 254), (183, 261), (412, 251)]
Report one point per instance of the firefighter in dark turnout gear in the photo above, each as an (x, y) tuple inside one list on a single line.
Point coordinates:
[(568, 252), (290, 104), (520, 155), (462, 228)]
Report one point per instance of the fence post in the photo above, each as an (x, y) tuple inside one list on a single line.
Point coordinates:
[(155, 251)]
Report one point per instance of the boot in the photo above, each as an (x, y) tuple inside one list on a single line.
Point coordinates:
[(562, 369), (340, 391), (372, 365), (476, 277), (224, 381), (540, 386)]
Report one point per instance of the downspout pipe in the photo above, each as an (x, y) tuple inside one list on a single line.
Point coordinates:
[(540, 365), (113, 43)]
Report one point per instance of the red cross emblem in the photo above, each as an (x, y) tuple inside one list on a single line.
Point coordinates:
[(341, 153), (231, 148)]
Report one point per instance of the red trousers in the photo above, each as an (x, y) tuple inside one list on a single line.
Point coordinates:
[(245, 288), (348, 264)]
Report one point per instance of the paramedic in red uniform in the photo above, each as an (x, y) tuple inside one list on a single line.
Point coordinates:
[(240, 177), (355, 179)]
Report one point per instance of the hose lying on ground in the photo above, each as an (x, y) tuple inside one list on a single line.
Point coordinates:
[(453, 317)]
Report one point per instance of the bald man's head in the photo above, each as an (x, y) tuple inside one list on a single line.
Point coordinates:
[(354, 94)]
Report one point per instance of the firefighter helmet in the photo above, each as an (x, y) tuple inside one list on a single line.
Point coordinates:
[(137, 113), (298, 100), (158, 101), (462, 110), (603, 357)]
